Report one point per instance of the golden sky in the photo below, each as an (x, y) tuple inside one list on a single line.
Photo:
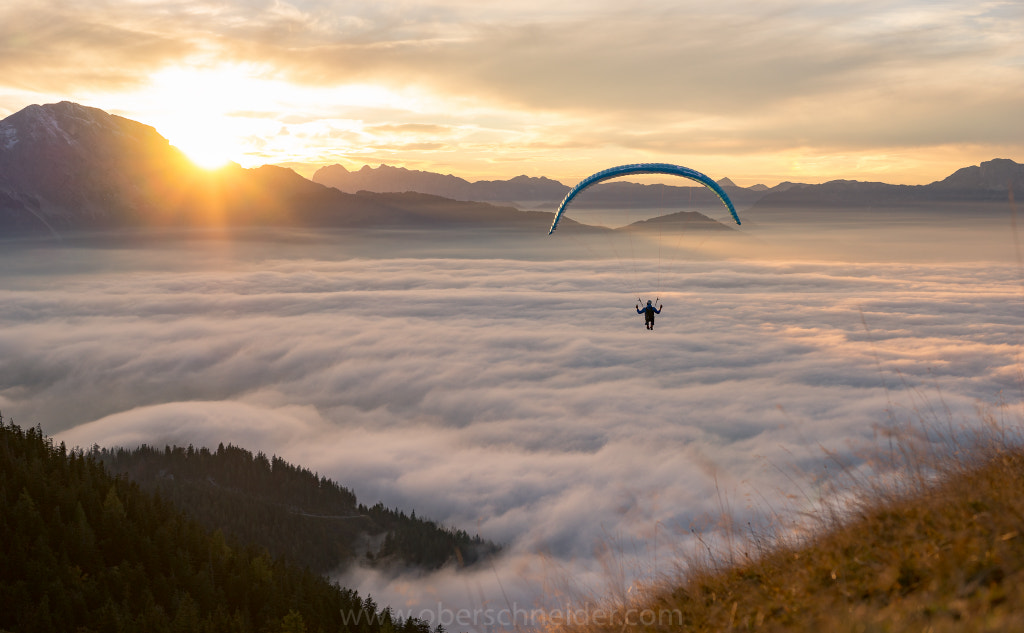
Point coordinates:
[(898, 91)]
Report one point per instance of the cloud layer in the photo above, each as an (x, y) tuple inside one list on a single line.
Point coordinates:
[(521, 399)]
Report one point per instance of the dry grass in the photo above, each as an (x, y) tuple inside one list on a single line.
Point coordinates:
[(931, 540)]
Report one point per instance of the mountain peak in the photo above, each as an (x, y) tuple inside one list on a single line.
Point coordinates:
[(68, 123), (995, 174), (71, 164)]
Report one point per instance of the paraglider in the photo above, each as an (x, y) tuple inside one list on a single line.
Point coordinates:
[(634, 240), (644, 168), (649, 311)]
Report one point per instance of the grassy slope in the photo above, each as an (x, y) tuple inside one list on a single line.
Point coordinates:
[(939, 549)]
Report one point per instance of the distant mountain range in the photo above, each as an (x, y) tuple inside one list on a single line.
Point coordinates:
[(65, 166), (529, 193), (990, 182), (967, 189)]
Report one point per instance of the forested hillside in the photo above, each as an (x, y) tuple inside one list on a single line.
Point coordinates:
[(86, 551), (291, 511)]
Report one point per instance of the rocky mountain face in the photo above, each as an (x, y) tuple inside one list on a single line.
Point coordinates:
[(65, 164), (990, 180)]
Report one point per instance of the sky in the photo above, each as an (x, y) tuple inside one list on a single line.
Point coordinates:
[(898, 91), (514, 392)]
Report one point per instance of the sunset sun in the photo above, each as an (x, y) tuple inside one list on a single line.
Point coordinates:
[(199, 109), (204, 146)]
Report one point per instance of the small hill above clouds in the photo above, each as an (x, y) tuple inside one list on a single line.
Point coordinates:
[(682, 221)]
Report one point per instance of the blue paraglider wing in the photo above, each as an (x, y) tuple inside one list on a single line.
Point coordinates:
[(644, 168)]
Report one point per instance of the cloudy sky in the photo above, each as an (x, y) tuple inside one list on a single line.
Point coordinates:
[(902, 91), (517, 397)]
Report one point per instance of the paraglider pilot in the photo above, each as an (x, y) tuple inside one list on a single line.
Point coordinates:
[(649, 311)]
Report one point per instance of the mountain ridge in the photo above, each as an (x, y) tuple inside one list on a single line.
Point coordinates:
[(522, 191), (69, 167), (988, 182)]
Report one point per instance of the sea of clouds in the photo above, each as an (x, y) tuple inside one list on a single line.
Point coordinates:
[(521, 399)]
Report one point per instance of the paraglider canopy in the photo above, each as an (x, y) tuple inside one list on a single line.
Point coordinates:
[(644, 168)]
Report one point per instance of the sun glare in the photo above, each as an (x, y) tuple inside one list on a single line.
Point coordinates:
[(198, 107), (242, 113), (204, 148)]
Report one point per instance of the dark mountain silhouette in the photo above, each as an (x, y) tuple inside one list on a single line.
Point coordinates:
[(522, 191), (65, 166), (680, 221), (527, 192), (387, 179), (988, 181), (968, 189), (974, 187)]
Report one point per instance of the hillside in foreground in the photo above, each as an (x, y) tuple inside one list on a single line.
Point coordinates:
[(940, 547), (309, 520), (86, 551)]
